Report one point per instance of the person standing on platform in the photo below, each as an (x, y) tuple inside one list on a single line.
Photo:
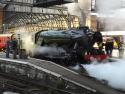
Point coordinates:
[(14, 47), (121, 49), (8, 47), (109, 47)]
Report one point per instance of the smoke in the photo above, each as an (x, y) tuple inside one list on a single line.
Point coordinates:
[(113, 72), (111, 13), (25, 39), (74, 9), (51, 50), (108, 5), (77, 67), (85, 5), (80, 9), (26, 42)]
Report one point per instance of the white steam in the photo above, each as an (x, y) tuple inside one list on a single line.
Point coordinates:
[(113, 72), (25, 39), (117, 21), (80, 9), (77, 67), (49, 50), (111, 13), (108, 5), (75, 9)]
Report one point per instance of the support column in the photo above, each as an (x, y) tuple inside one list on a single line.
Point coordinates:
[(1, 20)]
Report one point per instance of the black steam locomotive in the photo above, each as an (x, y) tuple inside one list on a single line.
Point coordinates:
[(65, 45)]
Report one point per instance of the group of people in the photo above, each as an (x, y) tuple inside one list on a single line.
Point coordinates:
[(11, 46), (97, 37)]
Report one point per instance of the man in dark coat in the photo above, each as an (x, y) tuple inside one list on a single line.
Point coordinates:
[(97, 37), (109, 47), (8, 47), (14, 47)]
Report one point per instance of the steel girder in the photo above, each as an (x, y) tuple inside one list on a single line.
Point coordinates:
[(17, 2), (13, 8), (48, 3), (34, 19)]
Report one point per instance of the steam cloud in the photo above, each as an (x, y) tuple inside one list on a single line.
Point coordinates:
[(111, 72), (111, 13), (80, 9), (108, 5), (48, 50), (26, 39), (27, 43)]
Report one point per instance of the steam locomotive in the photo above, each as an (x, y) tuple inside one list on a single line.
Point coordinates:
[(67, 45)]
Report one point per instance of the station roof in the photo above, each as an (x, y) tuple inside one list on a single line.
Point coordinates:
[(22, 13)]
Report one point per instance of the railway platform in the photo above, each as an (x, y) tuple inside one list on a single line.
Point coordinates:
[(83, 81)]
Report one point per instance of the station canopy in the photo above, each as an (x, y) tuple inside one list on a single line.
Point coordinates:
[(22, 13)]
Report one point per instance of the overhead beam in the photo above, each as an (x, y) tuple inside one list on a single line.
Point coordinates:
[(15, 3), (48, 3), (16, 13), (17, 8)]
